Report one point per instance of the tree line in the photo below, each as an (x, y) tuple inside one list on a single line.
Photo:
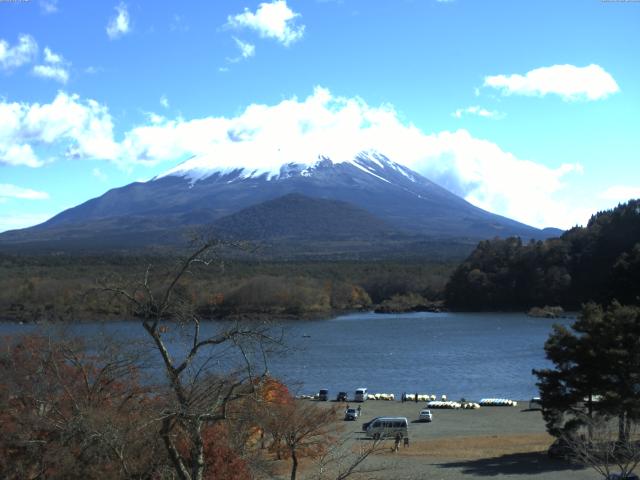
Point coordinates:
[(599, 262), (63, 288)]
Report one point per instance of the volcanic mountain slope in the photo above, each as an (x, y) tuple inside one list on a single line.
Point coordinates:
[(298, 217), (196, 193)]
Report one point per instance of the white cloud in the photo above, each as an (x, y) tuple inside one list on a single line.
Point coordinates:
[(25, 51), (620, 193), (119, 24), (155, 119), (15, 220), (12, 191), (48, 6), (19, 154), (58, 74), (271, 20), (567, 81), (246, 49), (478, 111), (55, 67), (164, 101), (85, 128), (50, 57), (498, 181)]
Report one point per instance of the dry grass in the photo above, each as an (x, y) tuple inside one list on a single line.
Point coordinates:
[(476, 447)]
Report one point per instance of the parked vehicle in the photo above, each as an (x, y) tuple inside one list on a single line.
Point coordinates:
[(366, 424), (620, 476), (323, 395), (425, 415), (361, 394), (535, 403), (350, 414), (383, 427), (342, 397)]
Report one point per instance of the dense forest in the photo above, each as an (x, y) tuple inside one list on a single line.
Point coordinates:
[(63, 287), (599, 262)]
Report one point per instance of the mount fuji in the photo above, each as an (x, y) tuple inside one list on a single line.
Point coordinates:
[(369, 198)]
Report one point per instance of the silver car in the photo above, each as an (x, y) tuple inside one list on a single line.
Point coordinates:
[(350, 414), (425, 415)]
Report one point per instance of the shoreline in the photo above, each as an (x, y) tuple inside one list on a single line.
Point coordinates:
[(268, 317)]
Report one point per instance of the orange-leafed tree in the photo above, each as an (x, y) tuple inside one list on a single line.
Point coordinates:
[(272, 391), (69, 414), (222, 460), (300, 429)]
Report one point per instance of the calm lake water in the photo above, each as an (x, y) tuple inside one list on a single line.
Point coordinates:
[(471, 355)]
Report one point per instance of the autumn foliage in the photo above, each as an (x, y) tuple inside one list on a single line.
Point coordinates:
[(222, 460), (72, 412), (68, 414)]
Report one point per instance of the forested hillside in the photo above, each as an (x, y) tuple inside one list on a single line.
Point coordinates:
[(598, 262), (61, 287)]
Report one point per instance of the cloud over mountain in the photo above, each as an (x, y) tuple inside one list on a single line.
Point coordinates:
[(263, 137)]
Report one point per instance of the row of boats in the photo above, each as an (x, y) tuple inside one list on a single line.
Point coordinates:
[(431, 400)]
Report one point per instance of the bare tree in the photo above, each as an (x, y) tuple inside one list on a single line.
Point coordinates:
[(599, 447), (300, 429), (216, 368), (345, 458)]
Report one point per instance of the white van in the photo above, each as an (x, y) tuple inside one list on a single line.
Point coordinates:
[(385, 427), (361, 395)]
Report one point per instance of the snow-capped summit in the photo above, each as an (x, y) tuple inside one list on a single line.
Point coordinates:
[(202, 167), (367, 189)]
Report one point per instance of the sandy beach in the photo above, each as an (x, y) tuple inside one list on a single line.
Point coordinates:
[(491, 442)]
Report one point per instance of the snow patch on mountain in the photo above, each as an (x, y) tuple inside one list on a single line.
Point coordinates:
[(201, 167)]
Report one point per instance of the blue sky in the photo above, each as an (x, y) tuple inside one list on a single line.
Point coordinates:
[(527, 109)]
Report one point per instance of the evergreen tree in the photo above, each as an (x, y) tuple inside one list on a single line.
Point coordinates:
[(597, 370), (599, 262)]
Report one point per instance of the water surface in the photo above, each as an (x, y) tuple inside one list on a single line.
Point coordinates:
[(470, 355)]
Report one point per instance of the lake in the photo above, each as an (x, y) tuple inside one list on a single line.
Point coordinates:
[(470, 355)]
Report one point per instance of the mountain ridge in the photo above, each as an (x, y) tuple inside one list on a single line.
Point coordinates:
[(158, 211)]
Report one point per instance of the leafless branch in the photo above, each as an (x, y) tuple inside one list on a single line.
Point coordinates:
[(602, 450)]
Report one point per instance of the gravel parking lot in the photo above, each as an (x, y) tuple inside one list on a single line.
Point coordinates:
[(501, 442)]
